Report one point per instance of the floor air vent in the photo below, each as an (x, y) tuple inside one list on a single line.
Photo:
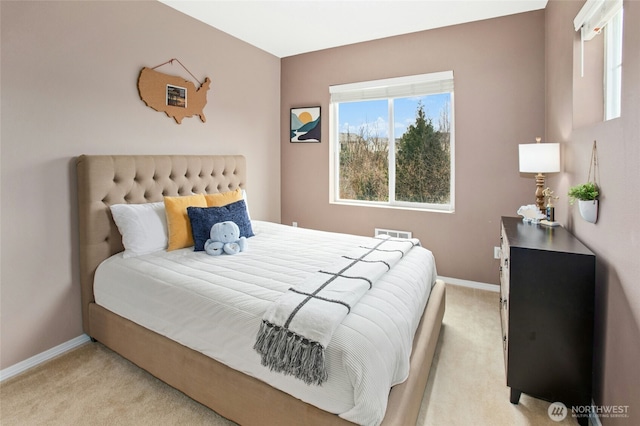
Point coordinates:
[(392, 233)]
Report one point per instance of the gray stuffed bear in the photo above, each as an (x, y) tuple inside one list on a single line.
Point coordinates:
[(225, 238)]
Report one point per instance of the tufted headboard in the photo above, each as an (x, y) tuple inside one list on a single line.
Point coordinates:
[(104, 180)]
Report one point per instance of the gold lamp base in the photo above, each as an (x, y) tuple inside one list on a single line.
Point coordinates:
[(539, 192)]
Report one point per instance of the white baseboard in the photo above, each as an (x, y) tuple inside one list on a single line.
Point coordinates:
[(594, 420), (472, 284), (42, 357)]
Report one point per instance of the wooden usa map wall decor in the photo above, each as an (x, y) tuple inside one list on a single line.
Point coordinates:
[(173, 95)]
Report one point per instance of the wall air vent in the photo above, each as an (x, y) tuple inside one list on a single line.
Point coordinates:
[(392, 233)]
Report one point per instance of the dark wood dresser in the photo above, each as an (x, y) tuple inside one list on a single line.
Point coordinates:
[(547, 288)]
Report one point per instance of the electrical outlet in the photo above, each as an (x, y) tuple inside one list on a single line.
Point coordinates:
[(496, 253), (294, 224)]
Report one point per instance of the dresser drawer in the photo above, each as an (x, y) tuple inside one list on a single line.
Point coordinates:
[(504, 279), (504, 294), (505, 338)]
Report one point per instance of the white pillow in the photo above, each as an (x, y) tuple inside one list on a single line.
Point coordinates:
[(143, 227), (244, 197)]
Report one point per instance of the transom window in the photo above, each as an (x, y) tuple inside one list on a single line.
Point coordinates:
[(392, 142)]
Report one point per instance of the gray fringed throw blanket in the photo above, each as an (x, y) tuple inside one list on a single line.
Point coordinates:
[(298, 326)]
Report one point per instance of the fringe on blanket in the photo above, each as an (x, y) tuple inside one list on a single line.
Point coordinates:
[(286, 352)]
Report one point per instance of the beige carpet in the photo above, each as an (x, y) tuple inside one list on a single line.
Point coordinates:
[(93, 386)]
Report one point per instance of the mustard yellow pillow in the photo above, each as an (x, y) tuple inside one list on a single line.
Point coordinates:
[(178, 224), (222, 199)]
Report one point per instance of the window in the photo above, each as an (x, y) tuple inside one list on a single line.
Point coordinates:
[(595, 16), (392, 142), (613, 68)]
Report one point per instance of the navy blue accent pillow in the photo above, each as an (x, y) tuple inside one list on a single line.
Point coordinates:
[(203, 218)]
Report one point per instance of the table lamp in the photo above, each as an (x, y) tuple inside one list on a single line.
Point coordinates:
[(539, 158)]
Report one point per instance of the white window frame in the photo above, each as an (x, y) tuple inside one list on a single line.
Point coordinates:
[(593, 17), (400, 87), (613, 68)]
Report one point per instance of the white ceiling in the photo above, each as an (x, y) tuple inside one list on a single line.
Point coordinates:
[(286, 28)]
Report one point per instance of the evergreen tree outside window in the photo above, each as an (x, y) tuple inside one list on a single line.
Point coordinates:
[(392, 142)]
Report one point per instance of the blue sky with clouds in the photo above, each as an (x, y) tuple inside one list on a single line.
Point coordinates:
[(374, 115)]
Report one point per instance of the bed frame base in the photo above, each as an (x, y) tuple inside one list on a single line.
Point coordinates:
[(244, 399)]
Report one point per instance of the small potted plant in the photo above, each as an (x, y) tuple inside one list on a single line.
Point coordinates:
[(587, 196)]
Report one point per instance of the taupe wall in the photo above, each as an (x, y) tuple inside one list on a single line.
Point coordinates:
[(68, 78), (498, 67), (615, 238), (69, 73)]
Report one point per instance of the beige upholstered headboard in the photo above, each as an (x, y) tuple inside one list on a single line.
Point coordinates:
[(104, 180)]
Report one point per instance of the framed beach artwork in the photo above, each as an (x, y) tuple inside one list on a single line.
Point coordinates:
[(305, 124)]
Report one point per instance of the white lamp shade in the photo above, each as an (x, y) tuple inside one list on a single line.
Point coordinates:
[(539, 157)]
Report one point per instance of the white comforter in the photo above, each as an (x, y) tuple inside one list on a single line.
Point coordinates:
[(215, 304)]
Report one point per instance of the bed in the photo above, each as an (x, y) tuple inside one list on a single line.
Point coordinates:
[(235, 393)]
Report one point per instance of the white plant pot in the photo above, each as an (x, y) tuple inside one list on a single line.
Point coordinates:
[(589, 210)]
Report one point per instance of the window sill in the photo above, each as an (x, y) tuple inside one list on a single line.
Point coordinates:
[(371, 204)]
